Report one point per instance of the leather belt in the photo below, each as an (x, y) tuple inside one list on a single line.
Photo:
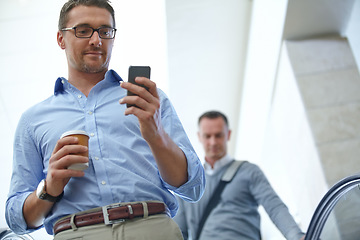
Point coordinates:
[(109, 215)]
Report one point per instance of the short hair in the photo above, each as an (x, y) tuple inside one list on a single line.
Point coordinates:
[(70, 4), (213, 115)]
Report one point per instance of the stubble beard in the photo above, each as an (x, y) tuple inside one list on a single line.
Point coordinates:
[(92, 69), (88, 68), (85, 67)]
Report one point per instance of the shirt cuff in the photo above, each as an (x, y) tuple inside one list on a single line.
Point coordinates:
[(14, 215), (193, 189)]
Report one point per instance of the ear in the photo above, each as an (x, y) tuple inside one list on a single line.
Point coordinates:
[(60, 39), (229, 133)]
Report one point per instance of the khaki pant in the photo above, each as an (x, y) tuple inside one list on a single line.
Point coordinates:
[(154, 227)]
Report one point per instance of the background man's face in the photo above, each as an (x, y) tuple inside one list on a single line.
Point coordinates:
[(214, 134)]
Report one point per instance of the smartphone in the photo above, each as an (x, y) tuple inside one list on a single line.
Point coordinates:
[(137, 71)]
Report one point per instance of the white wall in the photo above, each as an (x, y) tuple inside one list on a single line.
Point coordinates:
[(352, 32), (207, 42), (265, 38), (290, 157)]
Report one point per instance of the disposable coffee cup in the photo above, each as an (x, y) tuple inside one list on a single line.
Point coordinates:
[(83, 140)]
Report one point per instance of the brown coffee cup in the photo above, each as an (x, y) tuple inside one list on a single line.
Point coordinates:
[(83, 140)]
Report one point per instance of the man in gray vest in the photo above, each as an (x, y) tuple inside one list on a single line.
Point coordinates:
[(234, 215)]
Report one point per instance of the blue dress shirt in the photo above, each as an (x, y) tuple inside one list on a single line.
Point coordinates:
[(121, 165)]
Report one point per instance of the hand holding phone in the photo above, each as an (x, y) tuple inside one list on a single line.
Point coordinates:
[(137, 71)]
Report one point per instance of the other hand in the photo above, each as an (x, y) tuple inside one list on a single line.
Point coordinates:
[(62, 157)]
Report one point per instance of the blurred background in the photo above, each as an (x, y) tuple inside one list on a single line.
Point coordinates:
[(285, 72)]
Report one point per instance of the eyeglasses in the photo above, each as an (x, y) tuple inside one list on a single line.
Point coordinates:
[(87, 32)]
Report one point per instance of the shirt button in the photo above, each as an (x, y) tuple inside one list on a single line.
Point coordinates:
[(62, 81), (92, 134), (90, 112), (79, 96), (96, 158), (103, 183)]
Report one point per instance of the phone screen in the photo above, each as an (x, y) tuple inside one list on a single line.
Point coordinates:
[(137, 71)]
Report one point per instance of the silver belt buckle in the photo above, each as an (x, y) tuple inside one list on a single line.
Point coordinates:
[(105, 209)]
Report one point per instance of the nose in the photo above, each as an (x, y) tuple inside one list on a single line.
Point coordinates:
[(212, 140), (95, 39)]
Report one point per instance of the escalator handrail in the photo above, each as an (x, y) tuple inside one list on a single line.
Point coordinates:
[(327, 203)]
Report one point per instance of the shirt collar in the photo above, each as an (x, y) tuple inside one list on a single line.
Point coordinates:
[(217, 165), (110, 76), (59, 85)]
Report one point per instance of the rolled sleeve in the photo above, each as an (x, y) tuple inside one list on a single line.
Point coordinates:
[(193, 189), (27, 173), (14, 216)]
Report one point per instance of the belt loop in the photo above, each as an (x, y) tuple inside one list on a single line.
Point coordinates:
[(130, 210), (72, 223), (145, 208)]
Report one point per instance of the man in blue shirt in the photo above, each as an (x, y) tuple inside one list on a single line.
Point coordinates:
[(235, 216), (138, 156)]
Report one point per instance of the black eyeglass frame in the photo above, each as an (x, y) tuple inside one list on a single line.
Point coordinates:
[(93, 30)]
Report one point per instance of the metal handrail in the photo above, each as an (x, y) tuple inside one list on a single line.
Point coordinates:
[(327, 204)]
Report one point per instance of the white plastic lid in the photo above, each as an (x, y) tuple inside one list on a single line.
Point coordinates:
[(72, 132)]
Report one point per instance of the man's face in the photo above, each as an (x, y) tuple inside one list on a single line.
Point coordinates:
[(214, 134), (89, 55)]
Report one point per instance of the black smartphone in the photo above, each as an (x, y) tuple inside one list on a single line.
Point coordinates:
[(137, 71)]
